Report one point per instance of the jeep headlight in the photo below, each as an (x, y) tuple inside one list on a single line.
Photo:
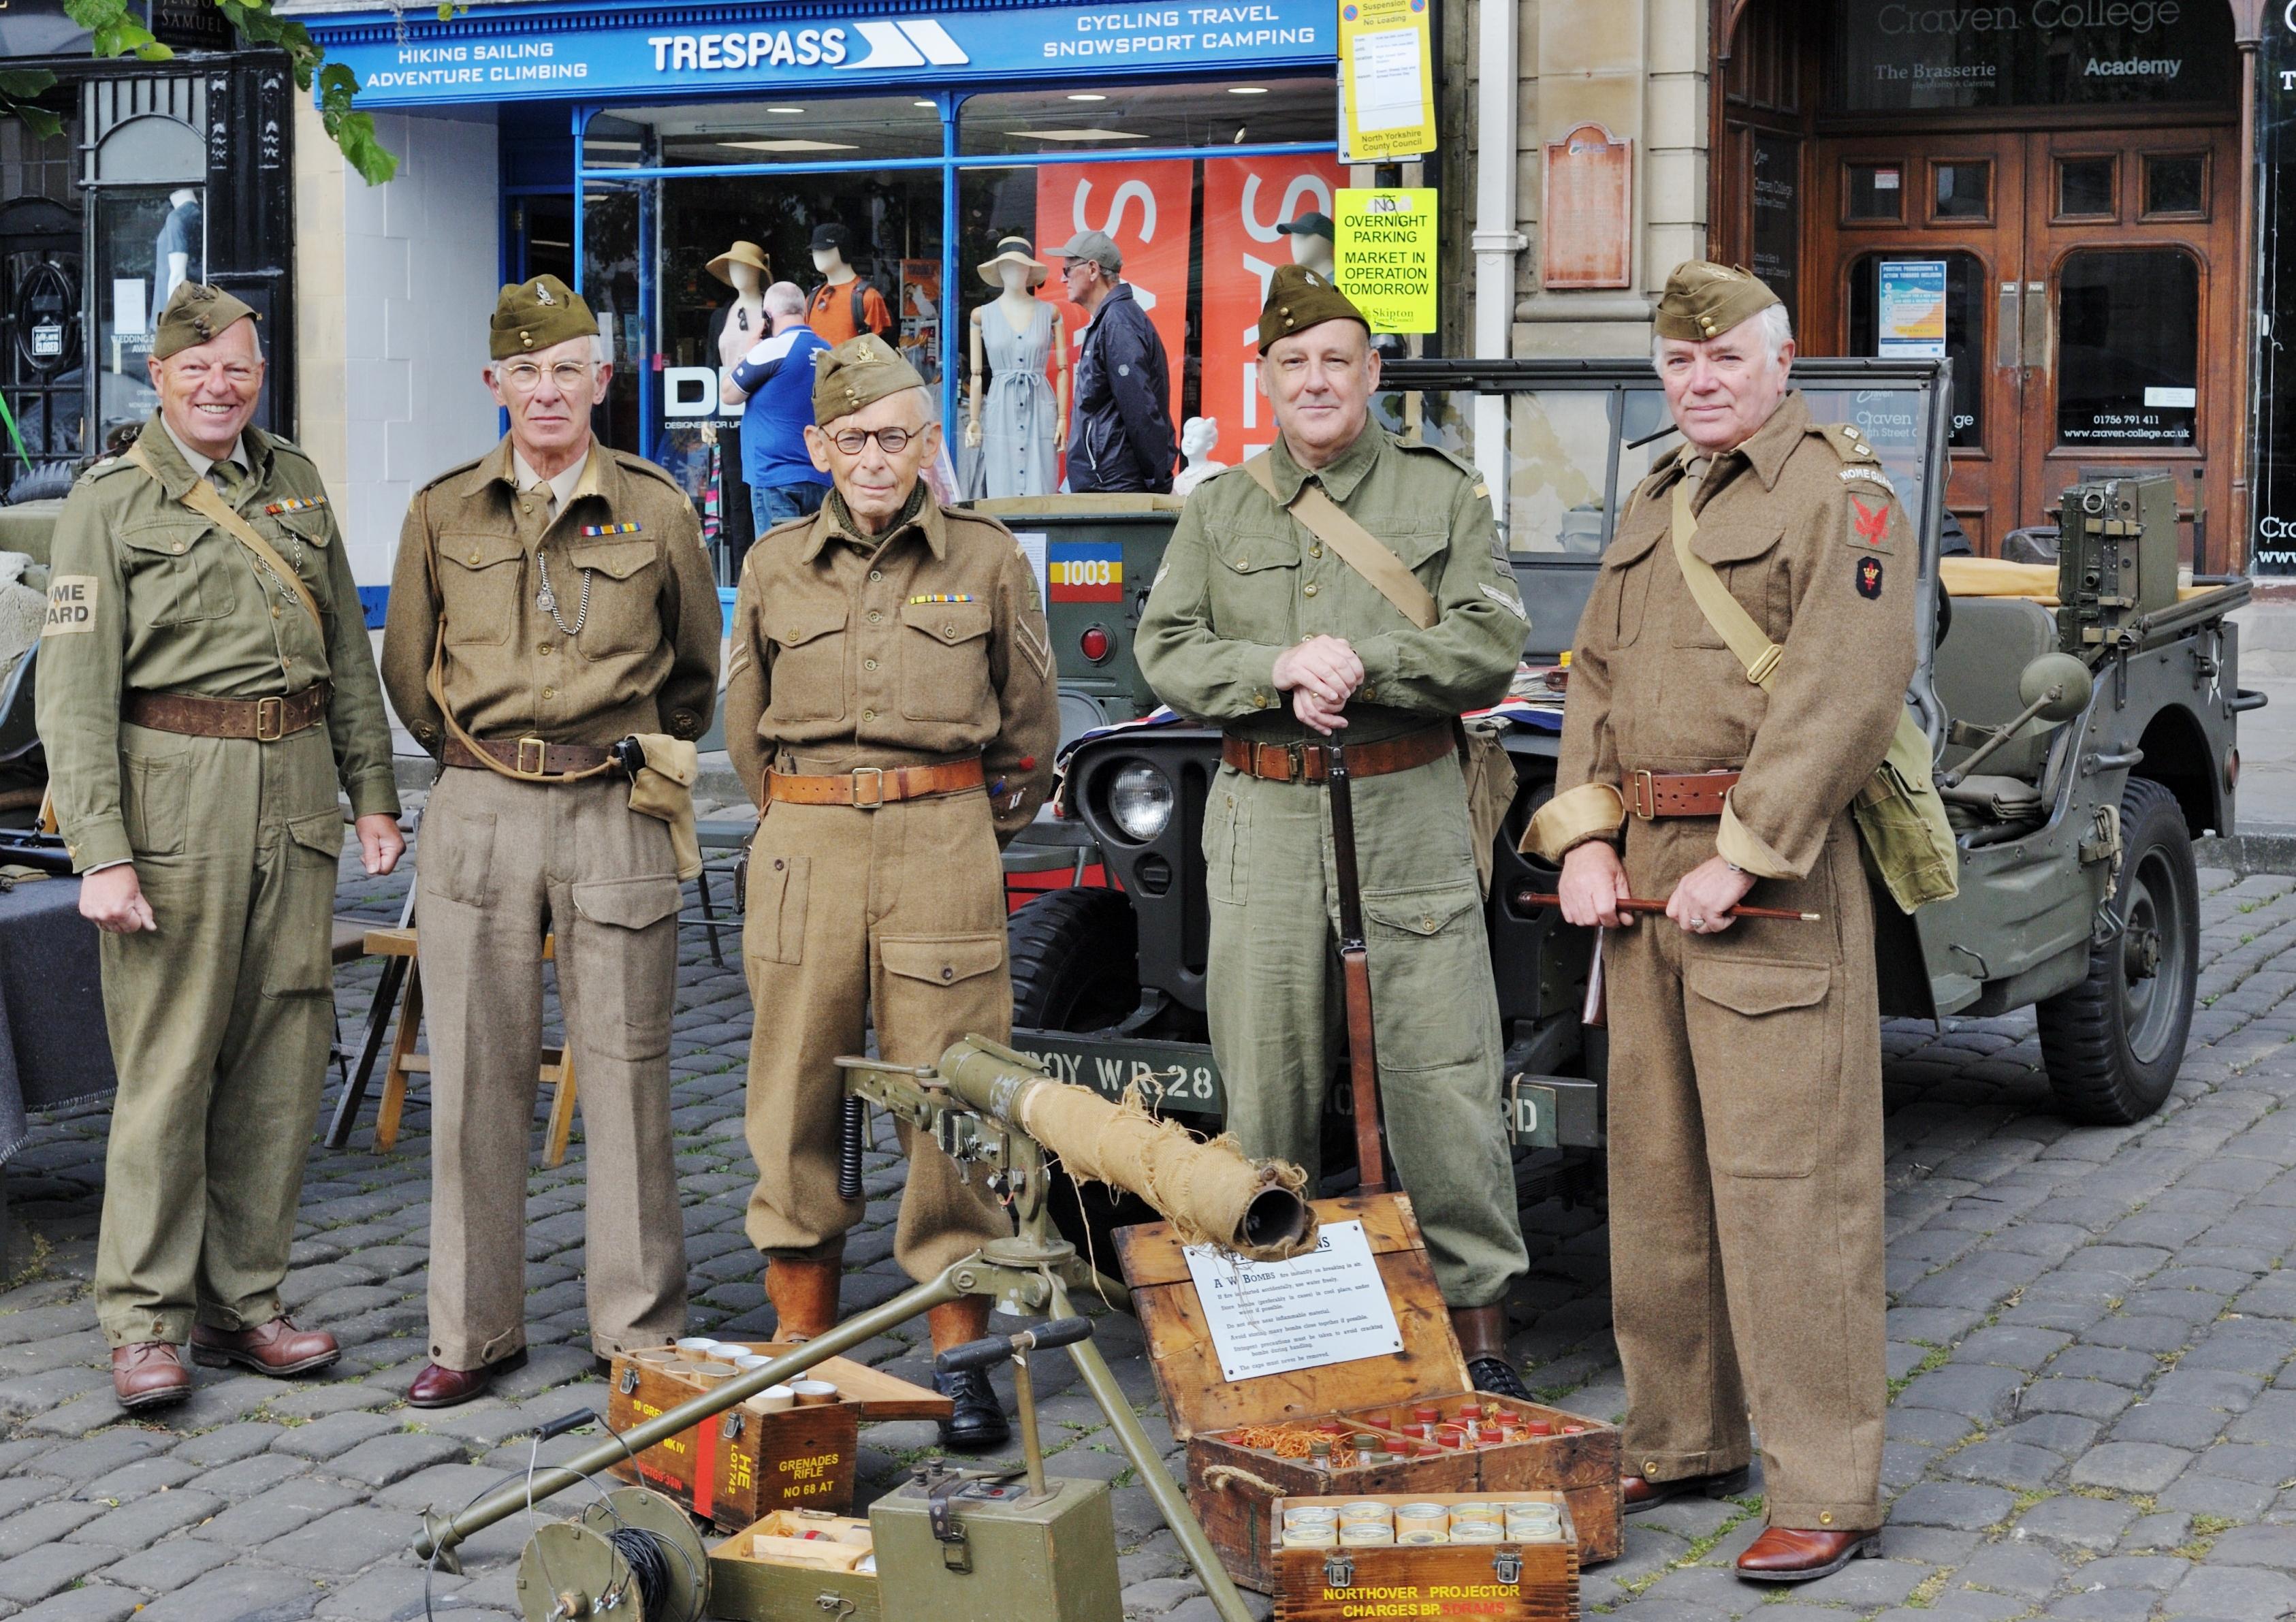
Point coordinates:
[(1140, 801)]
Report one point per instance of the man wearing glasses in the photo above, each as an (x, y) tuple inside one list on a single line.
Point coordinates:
[(550, 599), (1121, 438), (890, 702)]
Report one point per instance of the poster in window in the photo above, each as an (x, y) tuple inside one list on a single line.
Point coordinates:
[(1245, 200), (1143, 208), (921, 316), (1911, 309)]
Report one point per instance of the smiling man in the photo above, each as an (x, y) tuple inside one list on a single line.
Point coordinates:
[(1745, 1100), (549, 599), (1258, 622), (890, 702), (205, 684)]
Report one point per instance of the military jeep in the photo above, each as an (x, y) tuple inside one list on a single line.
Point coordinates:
[(2075, 825)]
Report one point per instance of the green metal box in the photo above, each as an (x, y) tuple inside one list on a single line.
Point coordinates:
[(962, 1547)]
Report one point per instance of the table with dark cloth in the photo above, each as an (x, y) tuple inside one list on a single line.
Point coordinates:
[(53, 1049)]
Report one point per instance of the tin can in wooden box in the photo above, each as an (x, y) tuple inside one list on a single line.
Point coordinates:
[(1464, 1556)]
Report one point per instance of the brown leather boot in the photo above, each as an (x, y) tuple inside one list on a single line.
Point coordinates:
[(149, 1374), (276, 1347), (1483, 1339), (976, 1419), (804, 1294)]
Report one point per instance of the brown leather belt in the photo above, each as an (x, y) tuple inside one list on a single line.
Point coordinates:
[(527, 757), (1650, 794), (868, 787), (265, 720), (1311, 762)]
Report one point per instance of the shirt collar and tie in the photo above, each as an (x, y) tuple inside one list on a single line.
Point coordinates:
[(226, 474), (556, 490)]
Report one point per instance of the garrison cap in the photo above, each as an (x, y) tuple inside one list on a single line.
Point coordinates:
[(1703, 299), (1310, 223), (1297, 298), (196, 313), (535, 315), (859, 372)]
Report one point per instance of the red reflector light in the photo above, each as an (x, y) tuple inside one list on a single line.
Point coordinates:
[(1096, 644)]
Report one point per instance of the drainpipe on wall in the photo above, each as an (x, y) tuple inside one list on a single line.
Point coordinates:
[(1495, 240), (2248, 35)]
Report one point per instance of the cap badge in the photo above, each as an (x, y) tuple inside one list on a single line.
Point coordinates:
[(542, 293)]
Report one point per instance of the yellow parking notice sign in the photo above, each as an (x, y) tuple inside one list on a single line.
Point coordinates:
[(1383, 255), (1387, 80)]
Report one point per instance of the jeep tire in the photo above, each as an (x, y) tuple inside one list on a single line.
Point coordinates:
[(2112, 1045)]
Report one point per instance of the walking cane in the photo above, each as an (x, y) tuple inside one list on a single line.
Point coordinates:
[(1355, 975)]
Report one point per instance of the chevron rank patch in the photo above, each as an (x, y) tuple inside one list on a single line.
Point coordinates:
[(299, 504), (941, 597), (1509, 601), (592, 531)]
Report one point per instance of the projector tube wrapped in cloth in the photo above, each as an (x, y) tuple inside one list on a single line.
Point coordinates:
[(1209, 1193)]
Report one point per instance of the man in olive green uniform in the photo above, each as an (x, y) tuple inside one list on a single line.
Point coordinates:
[(1253, 608), (1745, 1106), (891, 705), (550, 599), (201, 693)]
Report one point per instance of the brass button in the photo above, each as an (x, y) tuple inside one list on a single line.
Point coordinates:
[(179, 546), (950, 631), (875, 617), (868, 663), (947, 973), (777, 864), (1316, 550), (547, 648), (1310, 588), (1826, 1517), (274, 611), (474, 556), (876, 574), (1650, 1468), (550, 692), (1426, 920), (868, 715)]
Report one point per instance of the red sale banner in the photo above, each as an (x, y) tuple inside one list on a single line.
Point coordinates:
[(1143, 207), (1245, 199)]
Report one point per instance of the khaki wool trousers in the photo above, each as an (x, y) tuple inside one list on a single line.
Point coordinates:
[(1277, 1006), (899, 912), (219, 1023), (502, 862), (1745, 1167)]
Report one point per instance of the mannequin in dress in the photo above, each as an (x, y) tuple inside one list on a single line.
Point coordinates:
[(1311, 241), (745, 268), (1022, 426), (838, 309)]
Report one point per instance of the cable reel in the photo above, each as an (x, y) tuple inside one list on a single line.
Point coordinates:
[(633, 1556)]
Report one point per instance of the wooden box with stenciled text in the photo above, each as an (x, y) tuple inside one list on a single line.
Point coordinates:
[(746, 1586), (1512, 1580), (1233, 1488), (749, 1461)]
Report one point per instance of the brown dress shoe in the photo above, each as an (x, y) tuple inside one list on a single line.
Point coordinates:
[(804, 1294), (1800, 1555), (149, 1374), (277, 1347), (438, 1387), (1640, 1493)]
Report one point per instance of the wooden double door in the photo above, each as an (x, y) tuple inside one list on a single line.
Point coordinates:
[(2091, 302)]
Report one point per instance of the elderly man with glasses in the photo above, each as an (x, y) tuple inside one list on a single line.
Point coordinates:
[(890, 704), (550, 599)]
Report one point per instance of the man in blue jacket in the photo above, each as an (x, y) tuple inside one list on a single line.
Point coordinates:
[(1121, 438), (773, 384)]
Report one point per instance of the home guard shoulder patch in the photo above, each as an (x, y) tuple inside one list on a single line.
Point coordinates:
[(299, 504), (1862, 473), (71, 605), (1869, 577), (592, 531), (1869, 527), (941, 597)]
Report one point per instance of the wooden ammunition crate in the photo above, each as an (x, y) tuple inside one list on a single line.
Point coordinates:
[(1233, 1489), (1502, 1582), (736, 1468), (743, 1588)]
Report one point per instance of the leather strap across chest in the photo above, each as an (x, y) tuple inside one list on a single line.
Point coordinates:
[(868, 787), (195, 715), (1312, 762), (202, 498)]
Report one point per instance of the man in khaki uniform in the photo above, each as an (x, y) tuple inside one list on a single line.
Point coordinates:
[(550, 599), (1745, 1106), (1256, 622), (891, 704), (201, 693)]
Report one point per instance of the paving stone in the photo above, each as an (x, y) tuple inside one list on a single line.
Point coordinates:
[(238, 1593), (251, 1476), (337, 1433), (2272, 1545), (2158, 1572), (2182, 1425), (164, 1568), (341, 1396), (2075, 1522), (388, 1458), (147, 1520), (1966, 1508), (2012, 1464), (349, 1540), (393, 1593), (2235, 1593), (1157, 1595), (275, 1513), (228, 1444), (2130, 1467), (43, 1570), (2164, 1530), (2010, 1567), (89, 1602), (44, 1523)]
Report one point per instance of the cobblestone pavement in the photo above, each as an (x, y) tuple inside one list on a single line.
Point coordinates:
[(2094, 1415)]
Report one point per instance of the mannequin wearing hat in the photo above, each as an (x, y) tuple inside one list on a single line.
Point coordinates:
[(1022, 427), (843, 306), (1311, 237), (745, 268)]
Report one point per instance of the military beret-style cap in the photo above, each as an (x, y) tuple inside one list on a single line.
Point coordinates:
[(1703, 299), (535, 315), (859, 372), (1297, 298), (196, 313)]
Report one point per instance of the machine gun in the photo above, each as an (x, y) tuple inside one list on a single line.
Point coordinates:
[(1000, 1116)]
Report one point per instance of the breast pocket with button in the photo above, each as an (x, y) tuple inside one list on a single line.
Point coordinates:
[(479, 580), (625, 581), (945, 661), (808, 660), (1742, 559), (1255, 583), (174, 576)]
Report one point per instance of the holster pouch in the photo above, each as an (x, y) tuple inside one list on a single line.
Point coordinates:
[(663, 787)]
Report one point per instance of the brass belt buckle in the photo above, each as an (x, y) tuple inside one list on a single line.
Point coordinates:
[(1642, 795), (270, 720), (1295, 763), (541, 758), (876, 775)]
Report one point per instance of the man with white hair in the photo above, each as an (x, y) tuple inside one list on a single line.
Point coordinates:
[(550, 599), (1745, 1103), (773, 384), (205, 684), (890, 703)]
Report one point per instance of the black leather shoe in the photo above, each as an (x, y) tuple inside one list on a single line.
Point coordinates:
[(978, 1422), (1497, 1376)]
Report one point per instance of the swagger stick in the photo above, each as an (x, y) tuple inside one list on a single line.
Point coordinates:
[(1354, 976), (1637, 904)]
